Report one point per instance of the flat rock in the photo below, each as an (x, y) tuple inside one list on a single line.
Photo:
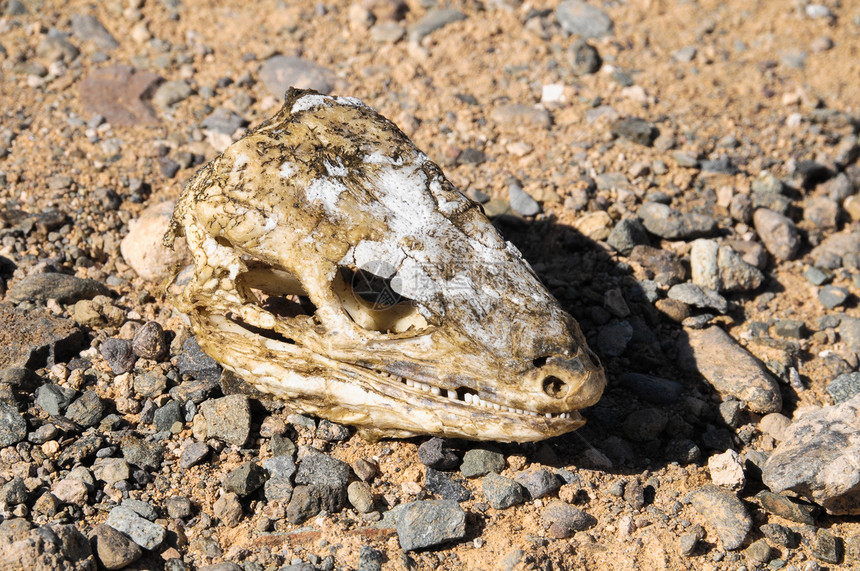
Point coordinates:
[(671, 224), (516, 115), (143, 532), (778, 233), (731, 369), (819, 457), (433, 20), (502, 492), (280, 72), (36, 338), (721, 269), (323, 470), (724, 512), (583, 19), (565, 519), (121, 94), (844, 387), (651, 389), (435, 453), (64, 288), (227, 418), (480, 462), (692, 294), (13, 427), (430, 522), (829, 253), (86, 27), (143, 249)]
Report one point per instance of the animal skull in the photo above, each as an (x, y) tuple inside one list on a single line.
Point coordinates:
[(336, 267)]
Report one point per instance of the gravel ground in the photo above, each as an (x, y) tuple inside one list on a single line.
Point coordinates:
[(682, 176)]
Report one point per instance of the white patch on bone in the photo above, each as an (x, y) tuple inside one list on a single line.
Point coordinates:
[(287, 170), (336, 170), (241, 160), (368, 253), (325, 192), (353, 101), (309, 102)]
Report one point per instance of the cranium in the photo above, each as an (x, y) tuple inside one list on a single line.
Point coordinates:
[(336, 267)]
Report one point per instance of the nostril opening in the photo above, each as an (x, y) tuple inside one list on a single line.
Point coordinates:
[(539, 362), (554, 387)]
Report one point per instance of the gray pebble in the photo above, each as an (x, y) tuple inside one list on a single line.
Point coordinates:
[(278, 488), (651, 389), (816, 276), (829, 254), (54, 399), (370, 559), (725, 512), (636, 130), (827, 547), (645, 424), (86, 27), (612, 339), (521, 202), (64, 288), (308, 501), (245, 479), (672, 224), (578, 18), (844, 387), (687, 544), (142, 531), (13, 427), (87, 410), (167, 416), (434, 453), (502, 492), (171, 92), (786, 508), (811, 459), (279, 73), (322, 470), (433, 20), (387, 32), (118, 354), (721, 269), (778, 233), (178, 507), (111, 470), (539, 483), (663, 265), (584, 58), (759, 552), (515, 115), (280, 466), (685, 54), (779, 534), (193, 454), (480, 462), (222, 120), (13, 492), (791, 328), (193, 361), (430, 522), (686, 159), (446, 486), (331, 432), (142, 453), (691, 294), (150, 384), (832, 297), (626, 235)]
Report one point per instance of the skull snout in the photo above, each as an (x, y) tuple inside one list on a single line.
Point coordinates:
[(572, 383)]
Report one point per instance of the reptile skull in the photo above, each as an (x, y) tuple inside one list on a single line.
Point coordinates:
[(336, 267)]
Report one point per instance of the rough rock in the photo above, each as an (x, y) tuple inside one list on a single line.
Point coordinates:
[(227, 418), (142, 248), (446, 486), (583, 19), (479, 462), (47, 548), (672, 224), (727, 470), (721, 269), (502, 492), (724, 512), (13, 427), (818, 458), (844, 387), (430, 522), (434, 453), (64, 288), (113, 548), (564, 519), (433, 20), (830, 252), (731, 369), (36, 338), (778, 233), (143, 532)]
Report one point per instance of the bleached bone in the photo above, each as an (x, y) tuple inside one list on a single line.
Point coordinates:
[(336, 267)]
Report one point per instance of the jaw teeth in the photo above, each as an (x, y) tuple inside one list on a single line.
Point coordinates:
[(468, 398)]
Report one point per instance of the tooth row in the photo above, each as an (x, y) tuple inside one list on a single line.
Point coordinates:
[(469, 398)]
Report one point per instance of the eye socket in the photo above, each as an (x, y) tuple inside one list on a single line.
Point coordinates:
[(370, 300)]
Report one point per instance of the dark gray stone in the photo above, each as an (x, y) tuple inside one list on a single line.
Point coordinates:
[(446, 486), (280, 466), (166, 416), (779, 534), (579, 18), (278, 488), (308, 501), (645, 424), (193, 454), (435, 19), (113, 548), (832, 297), (724, 512), (227, 418), (245, 479), (322, 470), (671, 224), (584, 58), (430, 522), (54, 399), (142, 453), (118, 354), (626, 235), (87, 410), (13, 427), (786, 508), (636, 130), (35, 338), (502, 492), (651, 389), (435, 454), (613, 338), (331, 432), (370, 559), (64, 288), (827, 547), (479, 462), (193, 361), (539, 483), (13, 492)]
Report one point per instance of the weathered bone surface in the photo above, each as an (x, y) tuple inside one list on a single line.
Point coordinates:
[(337, 268)]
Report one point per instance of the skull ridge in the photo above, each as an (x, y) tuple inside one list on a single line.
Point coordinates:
[(336, 267)]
